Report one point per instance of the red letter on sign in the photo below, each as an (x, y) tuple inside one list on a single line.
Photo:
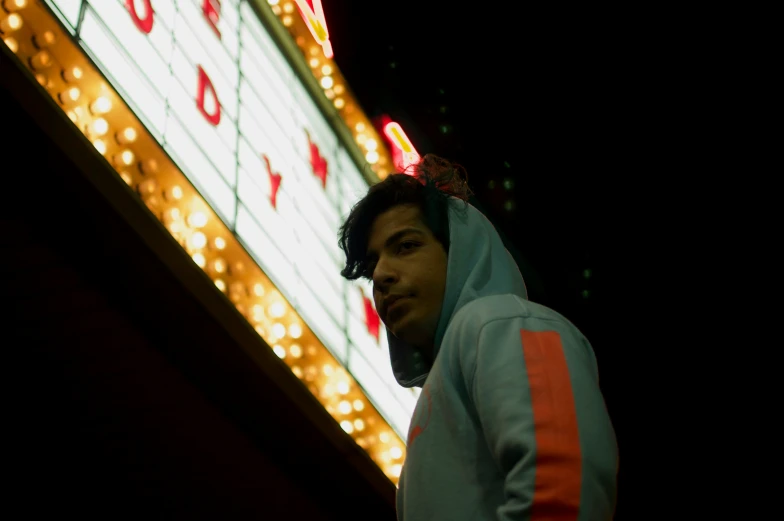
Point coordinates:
[(372, 320), (211, 10), (205, 83), (317, 163), (274, 178), (144, 24)]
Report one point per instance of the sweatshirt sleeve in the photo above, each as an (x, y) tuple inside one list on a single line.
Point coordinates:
[(535, 388)]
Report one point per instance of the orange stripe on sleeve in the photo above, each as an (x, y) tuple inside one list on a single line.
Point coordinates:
[(558, 460)]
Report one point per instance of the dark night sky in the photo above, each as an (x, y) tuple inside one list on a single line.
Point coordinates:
[(569, 106), (546, 101)]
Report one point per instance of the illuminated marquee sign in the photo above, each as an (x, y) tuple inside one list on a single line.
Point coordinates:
[(214, 90)]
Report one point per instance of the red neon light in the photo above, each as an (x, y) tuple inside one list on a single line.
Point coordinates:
[(312, 13), (403, 152)]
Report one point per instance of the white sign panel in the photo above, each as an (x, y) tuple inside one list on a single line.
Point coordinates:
[(212, 87)]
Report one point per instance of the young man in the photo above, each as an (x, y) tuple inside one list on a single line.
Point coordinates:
[(510, 423)]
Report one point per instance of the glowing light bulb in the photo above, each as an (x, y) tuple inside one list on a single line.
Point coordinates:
[(100, 146), (295, 330), (339, 89), (314, 62), (273, 2), (329, 93), (295, 350), (288, 7), (259, 330), (327, 82), (395, 470), (175, 227), (279, 350), (11, 23), (171, 215), (360, 127), (258, 312), (219, 265), (72, 74), (371, 144), (153, 202), (312, 351), (101, 105), (148, 186), (220, 284), (277, 310), (258, 289), (197, 219), (310, 373), (395, 452), (361, 138), (276, 9), (314, 50), (128, 178), (359, 425), (11, 43), (279, 330), (344, 407), (99, 127), (220, 243), (44, 39), (174, 193), (126, 136), (124, 158), (358, 405), (80, 113), (384, 437), (68, 95), (340, 103), (343, 387), (371, 156), (198, 240), (326, 69), (328, 369), (199, 259), (347, 426), (14, 5), (41, 60), (297, 370), (149, 166)]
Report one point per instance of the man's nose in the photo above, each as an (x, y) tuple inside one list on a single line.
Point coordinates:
[(384, 275)]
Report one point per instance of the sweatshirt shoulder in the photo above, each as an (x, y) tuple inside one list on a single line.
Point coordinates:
[(482, 311)]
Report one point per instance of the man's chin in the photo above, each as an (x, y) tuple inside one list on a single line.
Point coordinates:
[(403, 333)]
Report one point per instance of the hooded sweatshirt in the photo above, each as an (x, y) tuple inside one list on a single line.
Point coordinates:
[(510, 423)]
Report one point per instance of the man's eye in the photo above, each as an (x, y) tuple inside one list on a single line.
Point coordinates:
[(407, 245)]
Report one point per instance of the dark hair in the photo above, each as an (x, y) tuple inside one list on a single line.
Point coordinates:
[(428, 184)]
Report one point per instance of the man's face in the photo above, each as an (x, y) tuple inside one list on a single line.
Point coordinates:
[(407, 265)]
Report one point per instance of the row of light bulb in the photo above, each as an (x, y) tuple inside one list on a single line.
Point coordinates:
[(323, 72), (93, 124), (11, 21)]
